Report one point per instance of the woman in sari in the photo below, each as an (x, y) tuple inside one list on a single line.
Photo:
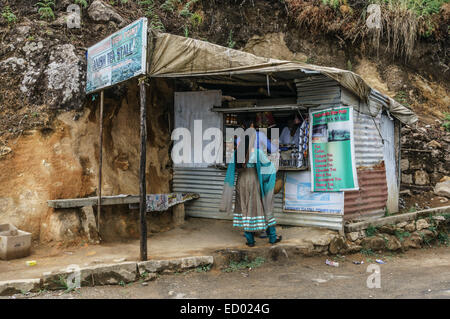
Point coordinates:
[(254, 187)]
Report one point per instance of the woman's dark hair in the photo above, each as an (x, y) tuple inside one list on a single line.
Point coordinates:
[(245, 143), (247, 122)]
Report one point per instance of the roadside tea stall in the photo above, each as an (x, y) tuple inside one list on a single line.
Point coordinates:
[(350, 166), (343, 163)]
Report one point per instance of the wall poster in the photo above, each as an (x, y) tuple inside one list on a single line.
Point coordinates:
[(332, 156)]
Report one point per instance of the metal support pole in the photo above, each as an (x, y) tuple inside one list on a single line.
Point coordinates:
[(99, 204), (142, 186)]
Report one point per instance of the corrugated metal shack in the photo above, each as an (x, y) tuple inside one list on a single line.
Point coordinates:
[(287, 87)]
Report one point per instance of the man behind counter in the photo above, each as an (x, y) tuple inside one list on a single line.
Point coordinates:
[(290, 134)]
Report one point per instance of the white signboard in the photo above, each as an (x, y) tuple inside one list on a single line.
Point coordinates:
[(119, 57), (298, 196)]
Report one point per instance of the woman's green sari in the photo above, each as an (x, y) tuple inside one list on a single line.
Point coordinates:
[(266, 174)]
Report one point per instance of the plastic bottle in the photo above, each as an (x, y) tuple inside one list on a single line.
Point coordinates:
[(332, 263), (293, 162)]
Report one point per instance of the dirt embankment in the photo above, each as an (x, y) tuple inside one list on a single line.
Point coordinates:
[(49, 129), (61, 161)]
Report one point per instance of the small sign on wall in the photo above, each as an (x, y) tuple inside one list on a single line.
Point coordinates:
[(299, 197)]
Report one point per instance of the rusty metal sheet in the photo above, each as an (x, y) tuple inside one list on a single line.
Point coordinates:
[(372, 196)]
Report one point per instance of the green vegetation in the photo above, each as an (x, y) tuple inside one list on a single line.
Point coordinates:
[(205, 268), (196, 19), (8, 15), (367, 252), (245, 264), (175, 5), (310, 60), (62, 284), (386, 241), (338, 258), (183, 9), (45, 9), (387, 213), (446, 123), (402, 22), (198, 269), (426, 240), (349, 65), (335, 4), (150, 13), (186, 11), (371, 231), (405, 20), (144, 275), (114, 2), (429, 28), (170, 5), (443, 238), (402, 97), (419, 7), (82, 3), (231, 43), (400, 234)]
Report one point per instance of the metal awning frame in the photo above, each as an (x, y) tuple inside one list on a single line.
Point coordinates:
[(289, 107)]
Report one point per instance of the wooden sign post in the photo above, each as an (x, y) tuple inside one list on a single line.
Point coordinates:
[(142, 164), (108, 65), (99, 205)]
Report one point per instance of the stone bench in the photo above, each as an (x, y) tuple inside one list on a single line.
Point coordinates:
[(155, 202)]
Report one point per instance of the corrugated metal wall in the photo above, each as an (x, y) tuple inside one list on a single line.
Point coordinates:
[(368, 142), (370, 199), (318, 89), (208, 182), (194, 106), (390, 161)]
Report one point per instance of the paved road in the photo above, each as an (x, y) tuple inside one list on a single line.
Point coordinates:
[(422, 273)]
